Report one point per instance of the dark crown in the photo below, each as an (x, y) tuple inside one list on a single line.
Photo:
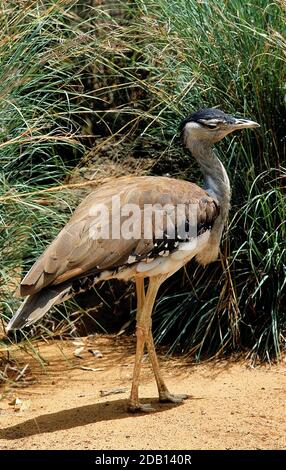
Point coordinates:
[(205, 114)]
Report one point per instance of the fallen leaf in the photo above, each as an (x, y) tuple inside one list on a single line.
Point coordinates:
[(96, 353), (15, 402), (78, 351), (112, 391), (25, 405), (20, 405), (78, 343), (91, 368)]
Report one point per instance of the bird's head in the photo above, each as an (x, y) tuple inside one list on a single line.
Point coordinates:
[(210, 125)]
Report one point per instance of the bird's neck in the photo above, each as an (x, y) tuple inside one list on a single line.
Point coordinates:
[(216, 181)]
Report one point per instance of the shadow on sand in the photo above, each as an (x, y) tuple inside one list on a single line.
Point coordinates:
[(74, 417)]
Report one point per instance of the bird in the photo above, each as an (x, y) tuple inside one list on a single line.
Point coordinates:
[(143, 229)]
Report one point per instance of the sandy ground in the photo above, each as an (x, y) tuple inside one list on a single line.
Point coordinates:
[(231, 405)]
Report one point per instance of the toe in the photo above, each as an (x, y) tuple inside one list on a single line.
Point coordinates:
[(169, 397), (140, 408)]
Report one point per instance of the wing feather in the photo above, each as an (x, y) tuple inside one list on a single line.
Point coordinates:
[(76, 251)]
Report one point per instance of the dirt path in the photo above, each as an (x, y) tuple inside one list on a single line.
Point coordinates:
[(232, 405)]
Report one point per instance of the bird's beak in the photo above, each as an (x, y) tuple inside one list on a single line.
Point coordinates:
[(244, 123)]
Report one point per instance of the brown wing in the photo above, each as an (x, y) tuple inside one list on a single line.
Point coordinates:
[(77, 249)]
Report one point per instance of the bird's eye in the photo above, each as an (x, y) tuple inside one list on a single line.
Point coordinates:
[(211, 126), (209, 123)]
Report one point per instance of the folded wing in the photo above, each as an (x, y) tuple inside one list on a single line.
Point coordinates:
[(78, 249)]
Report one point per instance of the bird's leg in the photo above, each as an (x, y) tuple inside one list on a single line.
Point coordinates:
[(134, 404), (143, 318), (140, 293), (164, 394), (144, 335), (162, 388)]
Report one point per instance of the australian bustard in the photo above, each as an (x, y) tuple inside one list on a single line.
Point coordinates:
[(78, 258)]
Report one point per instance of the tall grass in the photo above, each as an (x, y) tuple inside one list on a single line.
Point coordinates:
[(171, 58), (134, 69), (37, 99)]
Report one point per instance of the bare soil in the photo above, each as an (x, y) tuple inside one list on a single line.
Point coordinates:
[(231, 404)]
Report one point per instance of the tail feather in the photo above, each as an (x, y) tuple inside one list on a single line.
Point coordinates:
[(35, 306)]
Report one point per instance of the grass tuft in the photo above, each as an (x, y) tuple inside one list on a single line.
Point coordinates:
[(76, 77)]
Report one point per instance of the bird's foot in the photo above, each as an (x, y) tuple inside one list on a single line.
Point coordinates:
[(169, 397), (140, 408)]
